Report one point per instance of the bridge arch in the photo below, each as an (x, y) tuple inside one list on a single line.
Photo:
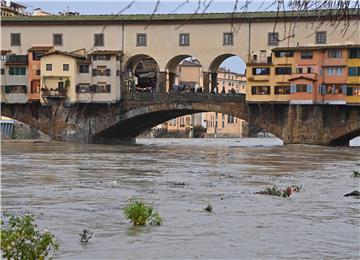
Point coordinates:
[(171, 69), (141, 73)]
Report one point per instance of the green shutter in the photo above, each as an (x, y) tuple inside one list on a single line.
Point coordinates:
[(7, 89), (349, 91)]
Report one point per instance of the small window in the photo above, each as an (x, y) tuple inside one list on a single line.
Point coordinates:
[(334, 54), (282, 90), (99, 39), (301, 88), (273, 39), (354, 71), (306, 55), (57, 39), (260, 90), (320, 37), (335, 71), (228, 39), (284, 54), (38, 72), (261, 71), (15, 39), (65, 67), (141, 39), (354, 53), (83, 68), (17, 71), (2, 71), (299, 70), (36, 55), (184, 39), (309, 70), (283, 70), (48, 67)]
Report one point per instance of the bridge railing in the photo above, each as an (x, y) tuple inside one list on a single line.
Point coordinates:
[(188, 96)]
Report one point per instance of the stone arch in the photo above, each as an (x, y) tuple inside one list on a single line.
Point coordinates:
[(135, 121), (171, 68), (343, 135), (138, 64), (216, 62)]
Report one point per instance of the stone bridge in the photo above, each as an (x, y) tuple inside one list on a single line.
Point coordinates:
[(137, 112)]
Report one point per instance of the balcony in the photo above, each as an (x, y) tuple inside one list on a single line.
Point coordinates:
[(17, 60), (335, 62)]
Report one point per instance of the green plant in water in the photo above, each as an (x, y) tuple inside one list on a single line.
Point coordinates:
[(275, 191), (140, 214), (356, 174), (209, 208), (20, 239)]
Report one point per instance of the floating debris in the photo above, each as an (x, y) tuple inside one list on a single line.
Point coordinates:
[(209, 208), (85, 236), (355, 193)]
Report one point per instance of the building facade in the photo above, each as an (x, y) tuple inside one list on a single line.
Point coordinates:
[(326, 74)]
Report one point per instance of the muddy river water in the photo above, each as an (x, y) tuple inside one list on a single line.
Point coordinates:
[(70, 187)]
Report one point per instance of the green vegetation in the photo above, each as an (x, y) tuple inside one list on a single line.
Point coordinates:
[(209, 208), (140, 214), (275, 191), (20, 239), (356, 174)]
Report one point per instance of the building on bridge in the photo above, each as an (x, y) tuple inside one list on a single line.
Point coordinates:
[(10, 8), (316, 74)]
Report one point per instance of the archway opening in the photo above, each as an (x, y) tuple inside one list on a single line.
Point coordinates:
[(184, 74), (141, 74)]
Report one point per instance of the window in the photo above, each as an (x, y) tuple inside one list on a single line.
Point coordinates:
[(65, 67), (48, 67), (334, 54), (335, 71), (228, 39), (36, 55), (335, 89), (19, 89), (15, 39), (260, 90), (283, 70), (299, 70), (57, 39), (184, 39), (352, 91), (354, 71), (98, 39), (320, 37), (261, 71), (282, 90), (354, 53), (273, 38), (306, 55), (2, 71), (101, 57), (17, 71), (308, 70), (102, 88), (83, 68), (84, 88), (301, 88), (101, 71), (141, 39), (230, 119), (284, 54), (38, 72)]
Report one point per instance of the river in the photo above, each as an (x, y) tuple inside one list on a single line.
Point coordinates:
[(70, 187)]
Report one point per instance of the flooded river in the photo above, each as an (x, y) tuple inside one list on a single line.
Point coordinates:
[(70, 187)]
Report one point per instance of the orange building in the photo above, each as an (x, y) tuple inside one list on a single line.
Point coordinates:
[(34, 55)]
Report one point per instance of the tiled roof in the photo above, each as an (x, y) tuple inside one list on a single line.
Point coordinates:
[(40, 48), (76, 56), (247, 16)]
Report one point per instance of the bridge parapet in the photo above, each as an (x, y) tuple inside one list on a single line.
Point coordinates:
[(184, 97)]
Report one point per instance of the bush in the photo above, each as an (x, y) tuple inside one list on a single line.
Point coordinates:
[(275, 191), (20, 239), (140, 214), (356, 174)]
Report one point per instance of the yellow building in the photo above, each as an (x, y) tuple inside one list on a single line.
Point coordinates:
[(353, 87)]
